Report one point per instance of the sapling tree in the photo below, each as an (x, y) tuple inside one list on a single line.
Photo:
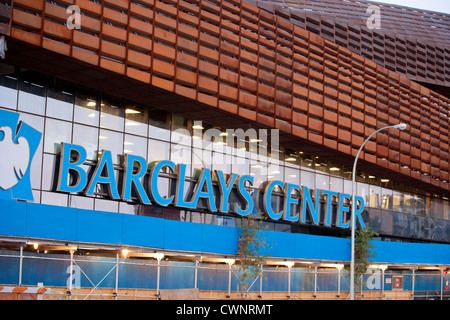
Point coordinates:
[(251, 251), (363, 251)]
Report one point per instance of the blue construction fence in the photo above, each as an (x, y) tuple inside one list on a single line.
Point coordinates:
[(53, 270)]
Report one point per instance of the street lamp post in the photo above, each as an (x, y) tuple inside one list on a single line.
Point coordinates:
[(401, 126)]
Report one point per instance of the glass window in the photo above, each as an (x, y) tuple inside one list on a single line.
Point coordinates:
[(419, 202), (32, 97), (275, 172), (112, 141), (135, 145), (408, 222), (337, 184), (180, 133), (362, 190), (203, 159), (258, 170), (387, 222), (8, 91), (112, 116), (240, 165), (397, 201), (81, 202), (446, 206), (307, 161), (86, 109), (106, 205), (409, 203), (348, 187), (180, 154), (60, 104), (322, 182), (158, 150), (374, 196), (87, 137), (53, 198), (136, 120), (129, 208), (35, 170), (221, 161), (307, 179), (159, 125), (374, 219), (48, 172), (386, 199), (437, 208), (56, 131), (292, 175)]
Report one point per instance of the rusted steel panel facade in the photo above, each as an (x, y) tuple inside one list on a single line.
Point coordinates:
[(230, 62)]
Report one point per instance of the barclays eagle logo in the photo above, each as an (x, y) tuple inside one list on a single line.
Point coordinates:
[(18, 144)]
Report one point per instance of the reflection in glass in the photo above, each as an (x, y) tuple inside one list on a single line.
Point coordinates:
[(48, 172), (60, 104), (275, 172), (374, 196), (322, 182), (136, 120), (53, 198), (307, 179), (159, 125), (112, 141), (397, 201), (201, 159), (106, 205), (56, 131), (258, 170), (291, 175), (8, 92), (31, 97), (420, 208), (336, 184), (135, 145), (81, 202), (240, 165), (87, 137), (111, 116), (158, 150), (180, 154), (180, 133), (409, 203), (37, 123), (86, 109), (386, 198)]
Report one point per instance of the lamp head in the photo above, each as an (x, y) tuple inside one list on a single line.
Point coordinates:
[(400, 126)]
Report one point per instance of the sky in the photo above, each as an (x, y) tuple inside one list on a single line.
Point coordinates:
[(433, 5)]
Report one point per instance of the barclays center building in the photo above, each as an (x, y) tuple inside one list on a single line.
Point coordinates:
[(137, 138)]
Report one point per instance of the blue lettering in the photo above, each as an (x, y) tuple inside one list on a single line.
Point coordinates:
[(225, 189), (154, 175), (105, 163), (329, 210), (245, 194), (307, 202), (66, 167), (129, 178), (288, 200), (359, 210), (205, 178), (267, 199), (179, 193), (342, 209)]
